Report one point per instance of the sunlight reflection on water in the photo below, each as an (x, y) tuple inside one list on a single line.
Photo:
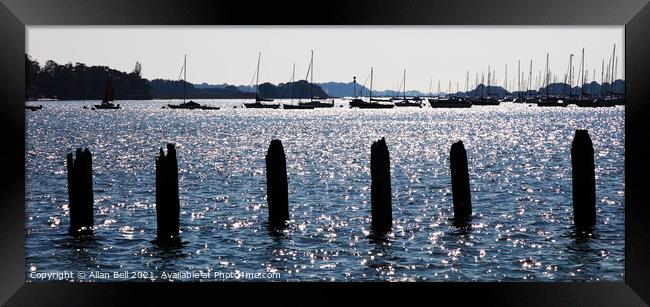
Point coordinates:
[(520, 172)]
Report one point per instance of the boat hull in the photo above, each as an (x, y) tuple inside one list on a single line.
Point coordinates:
[(449, 104), (33, 108), (317, 104), (358, 103), (485, 102), (296, 107), (595, 103), (552, 102), (375, 106), (406, 103), (453, 102), (261, 106), (105, 107)]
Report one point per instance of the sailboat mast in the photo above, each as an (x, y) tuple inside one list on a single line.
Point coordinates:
[(488, 83), (615, 74), (612, 70), (476, 86), (530, 77), (602, 76), (311, 88), (257, 75), (404, 84), (547, 85), (570, 74), (438, 87), (371, 76), (519, 78), (505, 80), (293, 75), (467, 84), (582, 72), (184, 75)]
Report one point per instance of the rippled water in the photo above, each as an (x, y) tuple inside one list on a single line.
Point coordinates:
[(520, 172)]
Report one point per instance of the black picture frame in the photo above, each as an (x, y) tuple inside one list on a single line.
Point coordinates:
[(15, 15)]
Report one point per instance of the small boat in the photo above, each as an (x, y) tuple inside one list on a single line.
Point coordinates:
[(258, 105), (190, 105), (314, 103), (317, 104), (381, 99), (296, 107), (108, 96), (594, 103), (406, 102), (615, 100), (362, 104), (550, 101), (519, 99), (34, 108), (451, 102), (485, 100), (258, 100)]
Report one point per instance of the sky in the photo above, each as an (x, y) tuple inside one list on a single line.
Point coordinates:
[(228, 54)]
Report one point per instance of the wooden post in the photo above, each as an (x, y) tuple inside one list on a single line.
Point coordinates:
[(167, 202), (584, 181), (460, 181), (277, 194), (380, 190), (80, 190)]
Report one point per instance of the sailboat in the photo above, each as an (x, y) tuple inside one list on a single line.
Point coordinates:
[(486, 100), (550, 101), (312, 102), (361, 104), (449, 102), (34, 108), (108, 96), (294, 106), (405, 102), (611, 99), (258, 100), (190, 105)]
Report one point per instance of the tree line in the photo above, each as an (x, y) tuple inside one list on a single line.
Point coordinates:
[(81, 82), (78, 81)]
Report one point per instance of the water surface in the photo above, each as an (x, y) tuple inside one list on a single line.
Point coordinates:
[(520, 177)]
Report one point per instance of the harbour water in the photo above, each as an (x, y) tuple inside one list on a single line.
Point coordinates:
[(520, 177)]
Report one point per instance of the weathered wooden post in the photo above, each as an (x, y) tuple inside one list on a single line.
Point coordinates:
[(167, 202), (584, 180), (80, 190), (277, 189), (460, 181), (380, 190)]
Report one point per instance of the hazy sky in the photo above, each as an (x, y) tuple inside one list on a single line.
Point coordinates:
[(220, 54)]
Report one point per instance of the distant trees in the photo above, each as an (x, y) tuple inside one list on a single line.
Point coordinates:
[(79, 81), (32, 69), (297, 89)]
